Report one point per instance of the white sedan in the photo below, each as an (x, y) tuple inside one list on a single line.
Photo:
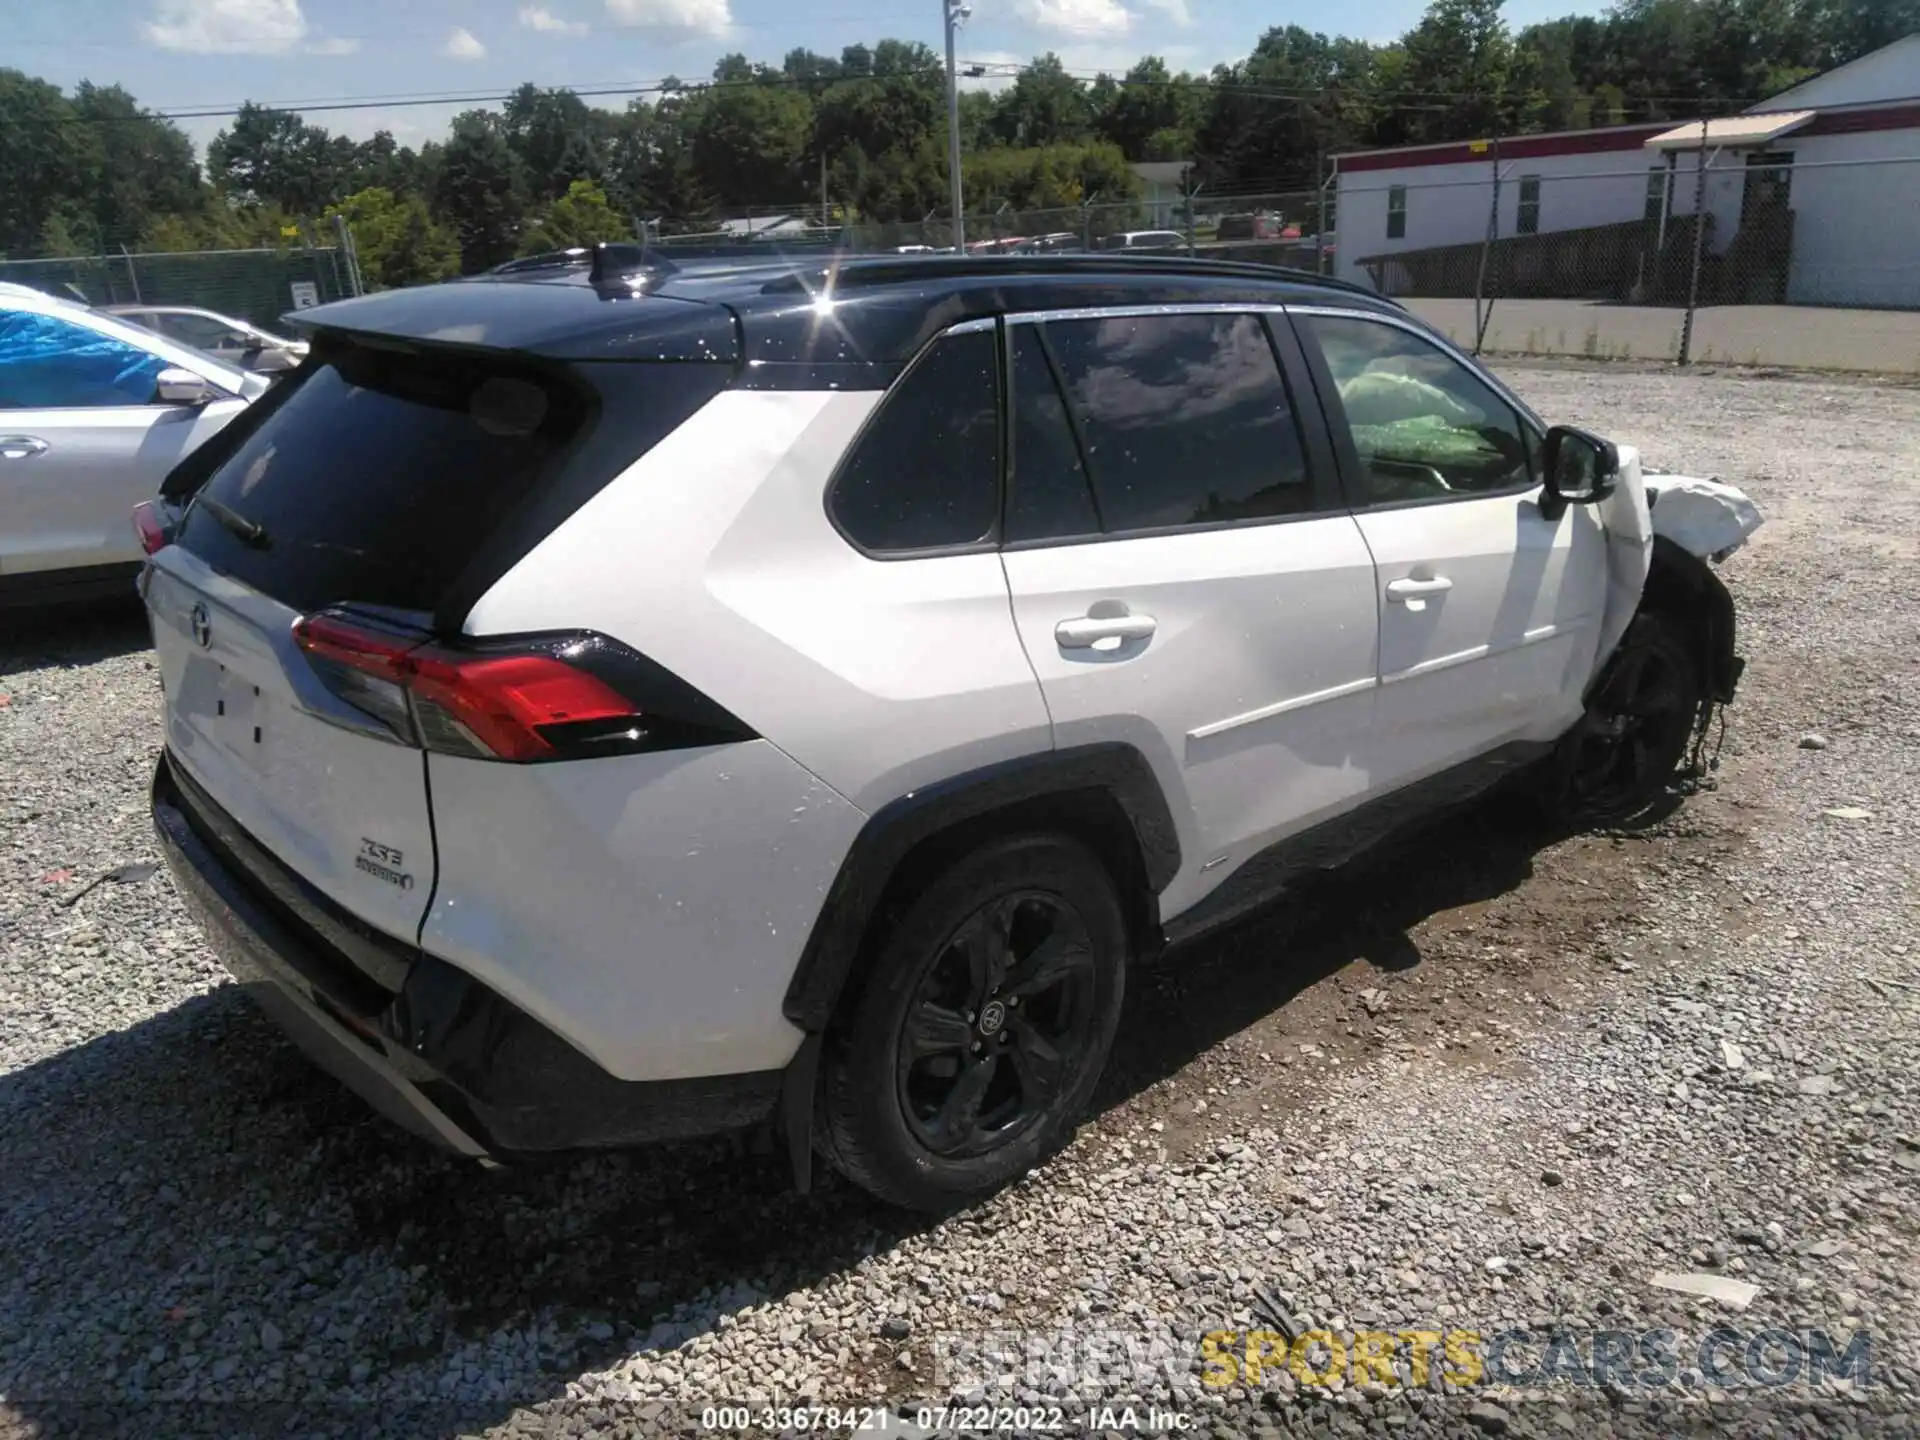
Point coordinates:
[(94, 412)]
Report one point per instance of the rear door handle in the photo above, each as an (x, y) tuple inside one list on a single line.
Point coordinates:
[(1410, 589), (22, 447), (1082, 632)]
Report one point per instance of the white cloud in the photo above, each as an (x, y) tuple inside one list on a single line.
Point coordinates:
[(1174, 10), (1083, 61), (538, 17), (333, 45), (461, 45), (227, 27), (1077, 17), (694, 17)]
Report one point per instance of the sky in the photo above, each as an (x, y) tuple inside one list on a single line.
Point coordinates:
[(206, 54)]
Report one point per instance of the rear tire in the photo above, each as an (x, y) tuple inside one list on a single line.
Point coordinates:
[(976, 1035), (1618, 762)]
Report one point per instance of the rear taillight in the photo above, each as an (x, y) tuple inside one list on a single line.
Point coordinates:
[(148, 526), (549, 697)]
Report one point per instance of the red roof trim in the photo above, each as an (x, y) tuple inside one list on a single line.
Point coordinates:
[(1833, 121), (1520, 147), (1860, 122)]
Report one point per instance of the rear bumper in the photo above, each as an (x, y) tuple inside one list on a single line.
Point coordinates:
[(425, 1044)]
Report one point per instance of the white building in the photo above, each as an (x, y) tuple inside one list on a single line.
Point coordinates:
[(1163, 186), (1839, 154)]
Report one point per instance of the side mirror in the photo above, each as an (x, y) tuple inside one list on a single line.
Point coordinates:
[(1581, 469), (174, 386)]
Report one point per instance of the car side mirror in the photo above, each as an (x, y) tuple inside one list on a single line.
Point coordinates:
[(1581, 469), (175, 386)]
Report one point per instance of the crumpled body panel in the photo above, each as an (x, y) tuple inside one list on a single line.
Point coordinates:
[(1702, 517)]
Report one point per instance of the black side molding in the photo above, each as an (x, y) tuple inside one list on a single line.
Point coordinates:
[(1332, 843), (1111, 772)]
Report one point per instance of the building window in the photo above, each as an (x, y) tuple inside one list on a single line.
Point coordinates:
[(1528, 220), (1659, 180), (1769, 181), (1396, 212)]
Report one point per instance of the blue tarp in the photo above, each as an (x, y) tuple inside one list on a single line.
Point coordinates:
[(49, 363)]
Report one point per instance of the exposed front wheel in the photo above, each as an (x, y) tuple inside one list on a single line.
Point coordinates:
[(980, 1028), (1626, 750)]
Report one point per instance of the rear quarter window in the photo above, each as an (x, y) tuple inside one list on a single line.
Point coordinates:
[(925, 472)]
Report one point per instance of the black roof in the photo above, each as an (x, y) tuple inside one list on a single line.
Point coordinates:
[(833, 310)]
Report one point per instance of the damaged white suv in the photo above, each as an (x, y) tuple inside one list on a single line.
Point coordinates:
[(608, 702)]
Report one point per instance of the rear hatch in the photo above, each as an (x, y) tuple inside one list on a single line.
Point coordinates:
[(306, 616)]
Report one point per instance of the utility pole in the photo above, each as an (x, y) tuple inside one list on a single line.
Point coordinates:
[(954, 13)]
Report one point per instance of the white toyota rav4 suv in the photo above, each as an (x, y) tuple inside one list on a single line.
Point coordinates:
[(609, 701)]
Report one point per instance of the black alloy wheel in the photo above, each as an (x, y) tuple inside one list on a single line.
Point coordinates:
[(976, 1029), (998, 1024), (1627, 747)]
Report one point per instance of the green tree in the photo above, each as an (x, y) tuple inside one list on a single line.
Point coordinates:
[(1149, 102), (138, 167), (580, 217), (397, 240), (1459, 65), (273, 156), (478, 190), (556, 137), (650, 169), (382, 163), (748, 142), (1299, 96), (1049, 177), (1045, 106), (41, 151)]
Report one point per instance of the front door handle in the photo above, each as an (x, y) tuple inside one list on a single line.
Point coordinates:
[(1082, 632), (1411, 589), (22, 447)]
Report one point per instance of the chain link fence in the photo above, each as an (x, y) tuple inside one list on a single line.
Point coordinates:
[(258, 286), (1756, 257), (1292, 228)]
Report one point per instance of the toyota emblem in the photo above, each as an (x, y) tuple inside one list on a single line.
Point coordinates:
[(202, 627)]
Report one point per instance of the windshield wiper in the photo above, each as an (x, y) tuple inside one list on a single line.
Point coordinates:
[(249, 532)]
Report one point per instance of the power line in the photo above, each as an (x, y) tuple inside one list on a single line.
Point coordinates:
[(988, 68)]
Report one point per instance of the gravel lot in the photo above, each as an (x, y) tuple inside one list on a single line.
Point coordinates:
[(1485, 1080)]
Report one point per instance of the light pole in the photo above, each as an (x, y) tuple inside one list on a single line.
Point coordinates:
[(954, 13)]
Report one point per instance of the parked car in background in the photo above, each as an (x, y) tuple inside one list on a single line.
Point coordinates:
[(1260, 225), (94, 411), (1160, 241), (580, 732), (234, 341), (1056, 242)]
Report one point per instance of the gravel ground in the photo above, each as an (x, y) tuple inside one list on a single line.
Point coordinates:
[(1486, 1081)]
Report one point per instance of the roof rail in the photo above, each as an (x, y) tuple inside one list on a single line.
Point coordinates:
[(843, 270), (609, 261)]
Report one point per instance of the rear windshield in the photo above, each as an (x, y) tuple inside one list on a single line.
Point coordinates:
[(384, 474)]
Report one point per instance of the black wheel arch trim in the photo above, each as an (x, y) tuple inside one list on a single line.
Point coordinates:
[(1113, 770), (1681, 584)]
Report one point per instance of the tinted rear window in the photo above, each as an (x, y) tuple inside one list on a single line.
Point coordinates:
[(383, 475)]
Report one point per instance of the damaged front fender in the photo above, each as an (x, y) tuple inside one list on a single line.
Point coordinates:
[(1703, 517), (1661, 532)]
